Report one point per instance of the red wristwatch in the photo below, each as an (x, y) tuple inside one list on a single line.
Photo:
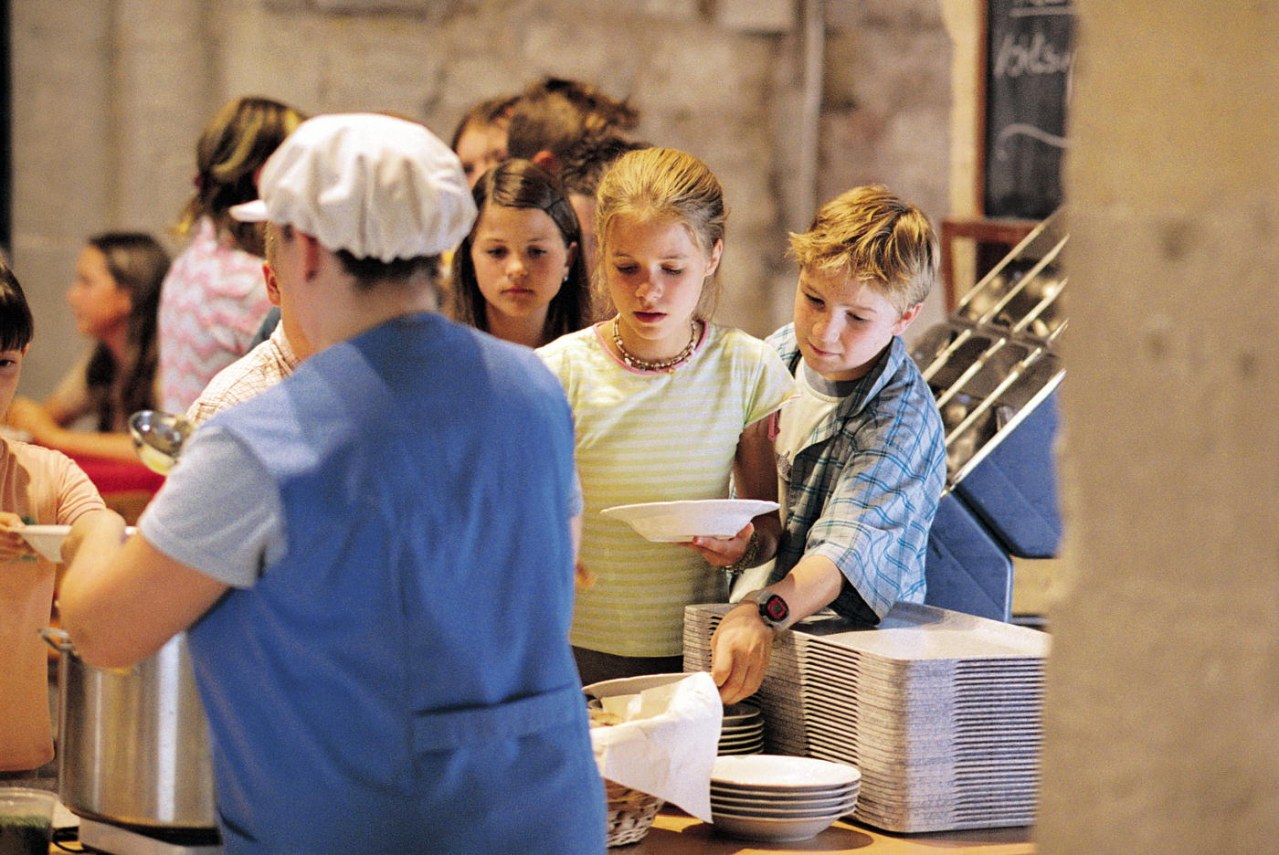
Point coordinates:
[(773, 610)]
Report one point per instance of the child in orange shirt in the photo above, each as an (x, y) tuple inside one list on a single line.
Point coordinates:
[(37, 486)]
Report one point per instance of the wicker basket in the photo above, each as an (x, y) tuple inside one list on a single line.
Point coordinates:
[(629, 813)]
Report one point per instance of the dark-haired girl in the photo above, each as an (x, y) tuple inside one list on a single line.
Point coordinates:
[(519, 274), (114, 297)]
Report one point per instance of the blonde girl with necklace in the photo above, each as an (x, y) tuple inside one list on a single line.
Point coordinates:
[(667, 406)]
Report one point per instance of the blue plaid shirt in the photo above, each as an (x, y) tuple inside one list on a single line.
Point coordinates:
[(864, 490)]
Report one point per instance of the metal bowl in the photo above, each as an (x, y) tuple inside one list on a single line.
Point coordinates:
[(158, 438)]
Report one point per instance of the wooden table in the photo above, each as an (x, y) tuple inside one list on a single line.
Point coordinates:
[(677, 833)]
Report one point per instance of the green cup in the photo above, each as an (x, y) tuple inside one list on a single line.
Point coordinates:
[(26, 820)]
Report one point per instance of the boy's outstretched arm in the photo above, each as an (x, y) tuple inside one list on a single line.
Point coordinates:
[(743, 642)]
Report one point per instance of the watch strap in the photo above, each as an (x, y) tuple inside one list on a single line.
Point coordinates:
[(773, 610)]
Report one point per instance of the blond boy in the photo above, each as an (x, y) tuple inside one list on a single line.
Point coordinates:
[(860, 452)]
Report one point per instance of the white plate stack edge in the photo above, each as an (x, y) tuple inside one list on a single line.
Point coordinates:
[(742, 731), (780, 798)]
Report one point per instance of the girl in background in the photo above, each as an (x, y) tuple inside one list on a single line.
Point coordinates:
[(114, 298), (553, 114), (37, 486), (479, 140), (519, 274), (667, 406), (215, 300)]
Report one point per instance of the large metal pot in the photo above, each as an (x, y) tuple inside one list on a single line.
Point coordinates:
[(133, 743)]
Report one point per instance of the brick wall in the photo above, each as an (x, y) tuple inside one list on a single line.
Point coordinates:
[(109, 96)]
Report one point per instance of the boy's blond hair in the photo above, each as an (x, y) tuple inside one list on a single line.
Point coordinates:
[(876, 237), (663, 185)]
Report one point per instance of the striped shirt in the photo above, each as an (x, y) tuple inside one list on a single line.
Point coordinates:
[(211, 304), (247, 377), (644, 437), (864, 488)]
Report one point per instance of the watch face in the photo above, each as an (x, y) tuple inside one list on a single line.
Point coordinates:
[(775, 609)]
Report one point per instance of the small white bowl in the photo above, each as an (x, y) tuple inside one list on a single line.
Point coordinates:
[(783, 772), (680, 522), (46, 540), (772, 829), (632, 685)]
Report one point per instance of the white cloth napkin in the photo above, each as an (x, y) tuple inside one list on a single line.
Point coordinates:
[(666, 743)]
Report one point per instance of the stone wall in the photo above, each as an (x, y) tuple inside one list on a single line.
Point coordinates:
[(110, 95), (1162, 710)]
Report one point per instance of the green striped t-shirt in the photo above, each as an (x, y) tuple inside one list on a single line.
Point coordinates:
[(655, 437)]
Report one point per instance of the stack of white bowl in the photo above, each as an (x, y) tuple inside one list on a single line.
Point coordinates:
[(940, 711), (743, 729), (779, 798)]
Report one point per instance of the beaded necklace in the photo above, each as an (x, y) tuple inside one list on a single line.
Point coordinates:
[(667, 365)]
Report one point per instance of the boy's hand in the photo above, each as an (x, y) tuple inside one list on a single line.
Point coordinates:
[(724, 551), (740, 649), (12, 544)]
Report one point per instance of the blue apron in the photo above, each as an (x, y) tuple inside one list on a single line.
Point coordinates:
[(401, 680)]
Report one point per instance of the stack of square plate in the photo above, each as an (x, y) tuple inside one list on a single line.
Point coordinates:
[(742, 731), (941, 711), (776, 797)]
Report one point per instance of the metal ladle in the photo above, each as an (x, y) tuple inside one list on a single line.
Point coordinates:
[(158, 438)]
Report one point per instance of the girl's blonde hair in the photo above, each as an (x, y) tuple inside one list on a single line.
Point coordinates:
[(233, 146), (665, 185)]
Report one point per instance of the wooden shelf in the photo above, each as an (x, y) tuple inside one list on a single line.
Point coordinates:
[(993, 239)]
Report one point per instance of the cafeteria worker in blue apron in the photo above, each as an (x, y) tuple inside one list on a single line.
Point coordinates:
[(373, 559)]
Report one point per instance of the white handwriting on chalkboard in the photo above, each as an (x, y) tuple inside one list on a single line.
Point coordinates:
[(1023, 129), (1023, 8), (1035, 55)]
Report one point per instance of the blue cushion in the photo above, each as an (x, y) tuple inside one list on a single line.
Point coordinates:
[(967, 570), (1013, 491)]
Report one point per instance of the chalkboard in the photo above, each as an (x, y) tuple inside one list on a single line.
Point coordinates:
[(1029, 57)]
